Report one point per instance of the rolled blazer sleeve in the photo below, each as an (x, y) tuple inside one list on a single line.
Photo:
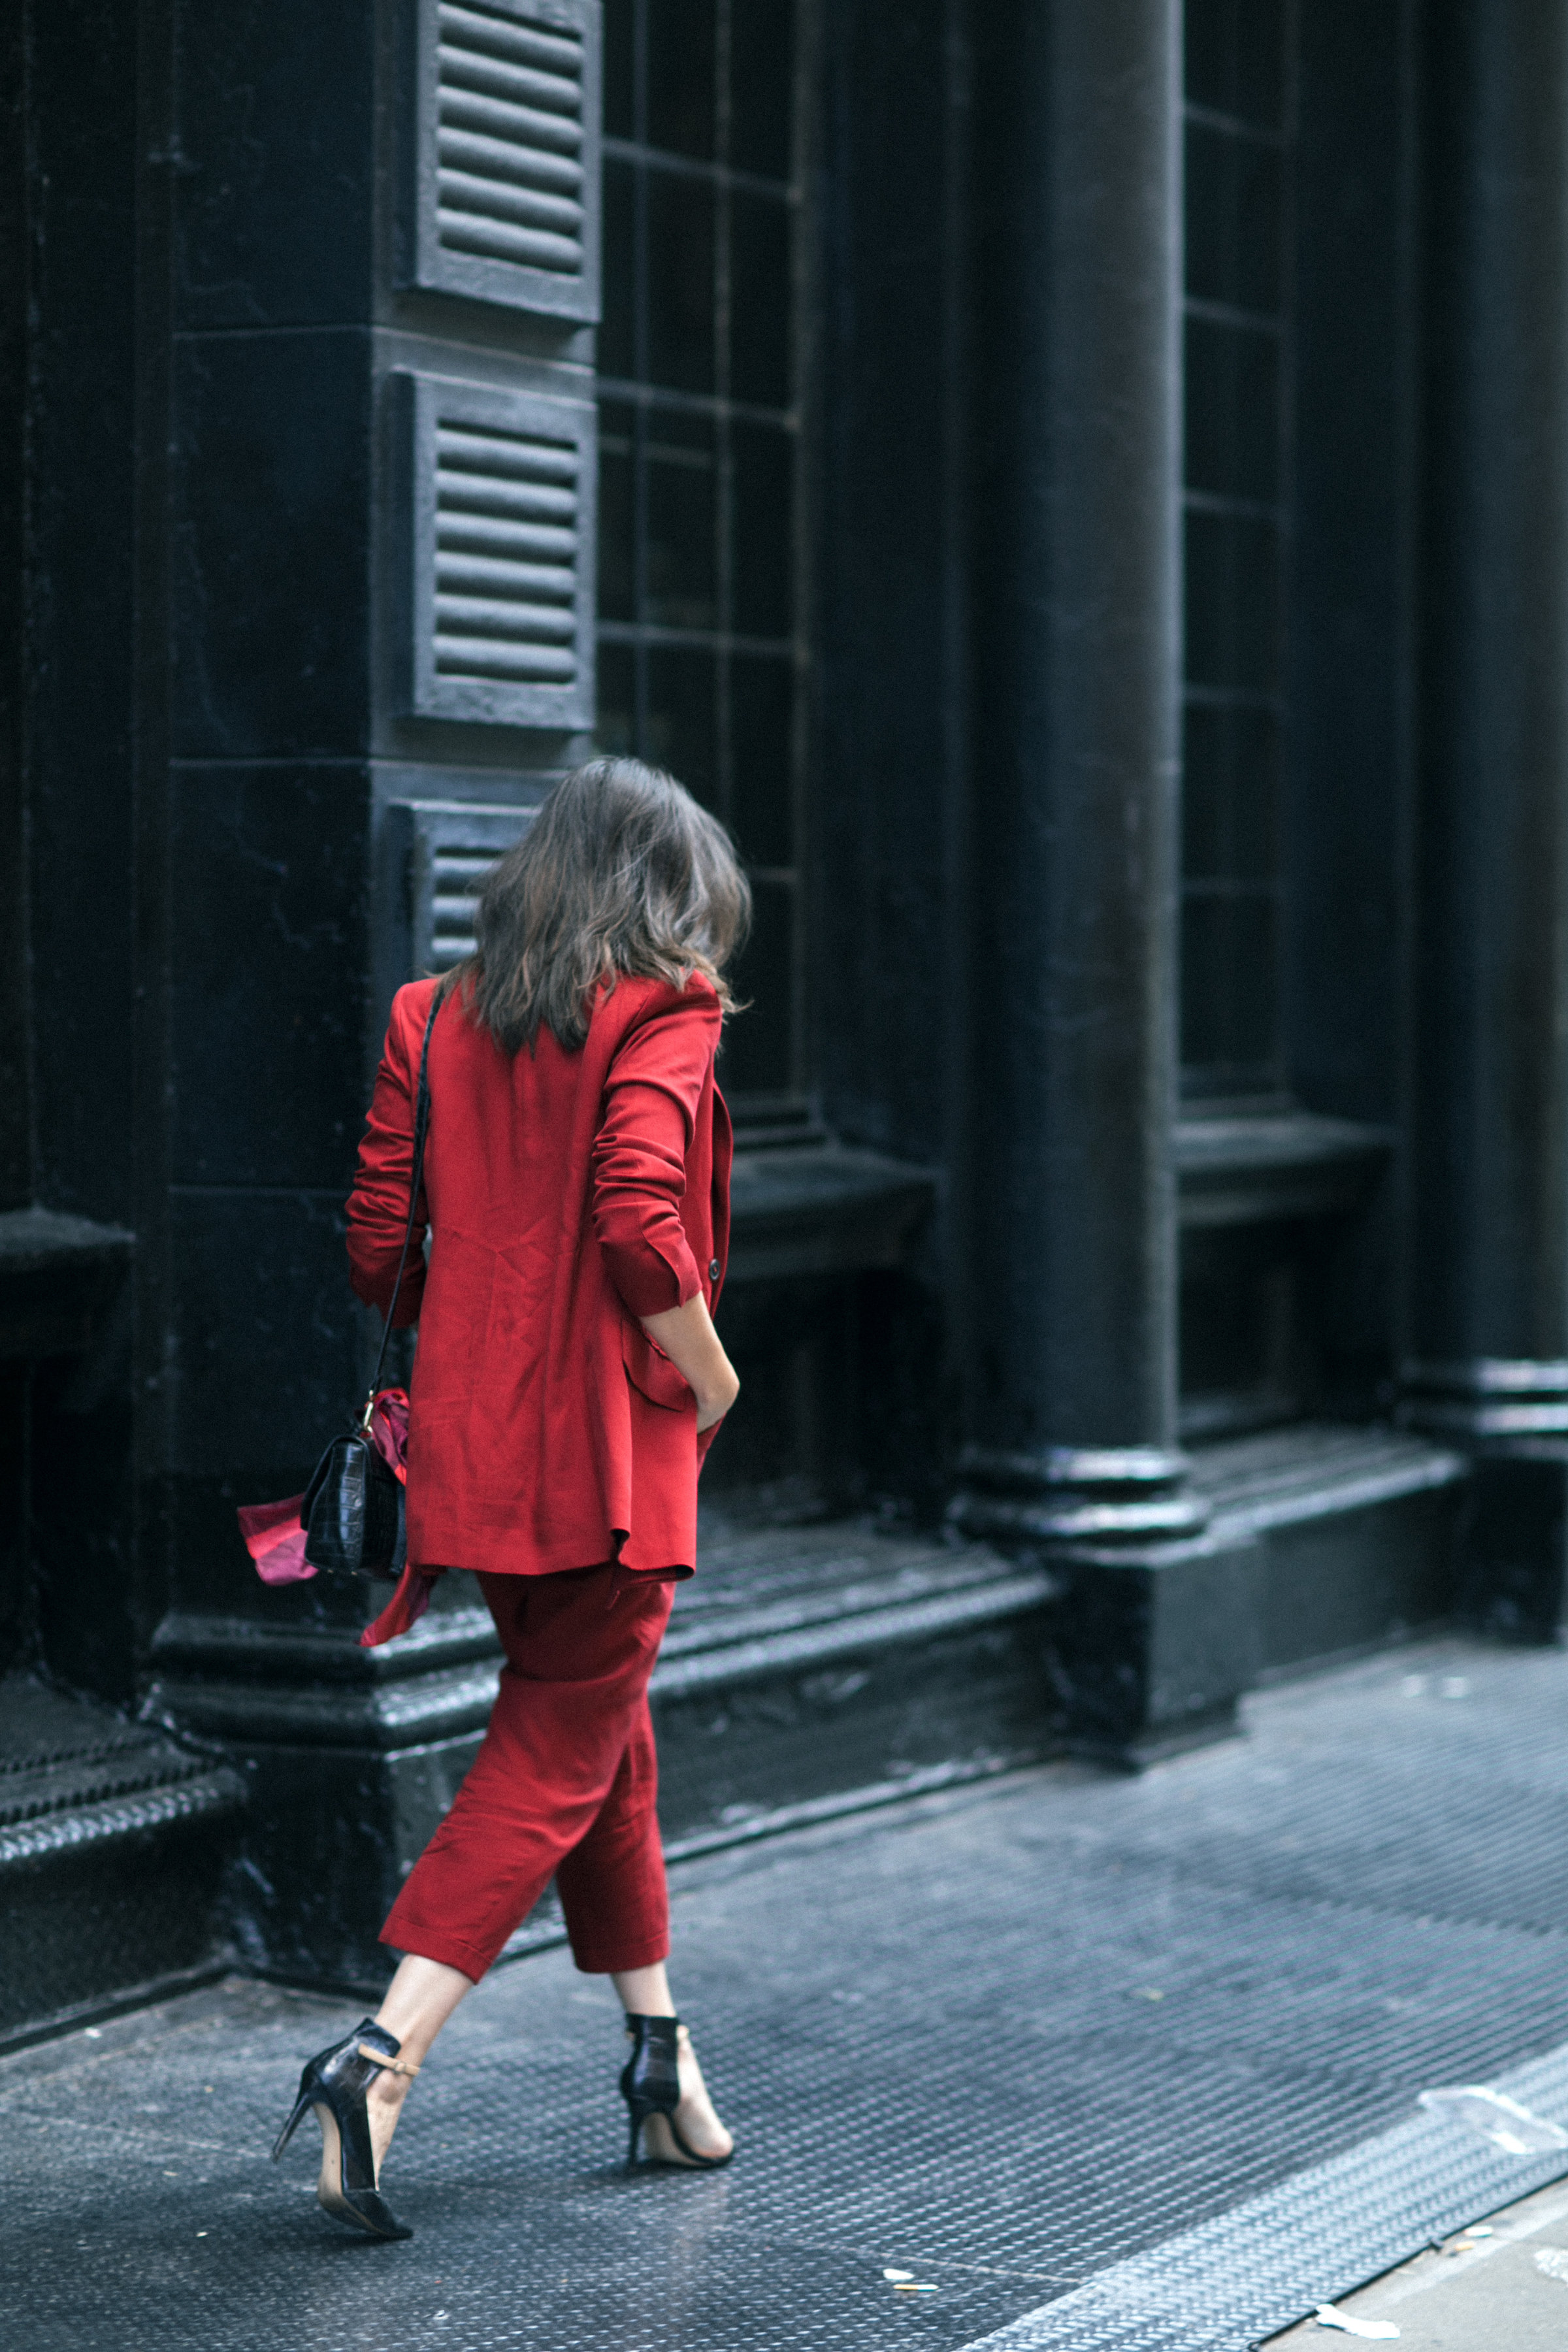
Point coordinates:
[(378, 1205), (654, 1085)]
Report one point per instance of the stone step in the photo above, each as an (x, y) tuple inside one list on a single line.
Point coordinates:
[(812, 1668), (112, 1844), (1355, 1528), (1315, 1469)]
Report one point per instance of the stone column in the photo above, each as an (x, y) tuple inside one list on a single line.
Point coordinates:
[(332, 322), (1073, 1396), (1487, 1318)]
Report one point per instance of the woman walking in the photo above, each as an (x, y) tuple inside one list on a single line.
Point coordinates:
[(567, 1382)]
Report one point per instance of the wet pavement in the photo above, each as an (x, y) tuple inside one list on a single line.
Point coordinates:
[(1015, 2042)]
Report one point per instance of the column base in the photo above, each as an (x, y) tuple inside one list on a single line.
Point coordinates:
[(1323, 1542), (1150, 1642), (1152, 1645), (1511, 1417), (1513, 1544), (351, 1757), (1064, 1493)]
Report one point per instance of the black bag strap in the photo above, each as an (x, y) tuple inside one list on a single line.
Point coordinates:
[(421, 1125)]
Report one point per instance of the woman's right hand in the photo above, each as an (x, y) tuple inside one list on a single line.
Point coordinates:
[(687, 1336)]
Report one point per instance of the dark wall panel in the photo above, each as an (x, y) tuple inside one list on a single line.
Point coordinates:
[(276, 103), (887, 669), (1342, 914), (271, 876), (94, 1609), (265, 1334), (270, 567), (888, 900), (80, 535), (265, 1367), (16, 1058)]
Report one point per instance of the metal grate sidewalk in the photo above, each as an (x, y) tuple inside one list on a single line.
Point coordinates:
[(1061, 2045)]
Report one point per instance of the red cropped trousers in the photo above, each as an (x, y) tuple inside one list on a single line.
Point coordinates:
[(565, 1783)]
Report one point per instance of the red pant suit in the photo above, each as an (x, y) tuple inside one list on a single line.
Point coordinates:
[(551, 1448)]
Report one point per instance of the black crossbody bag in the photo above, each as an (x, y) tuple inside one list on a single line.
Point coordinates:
[(353, 1510)]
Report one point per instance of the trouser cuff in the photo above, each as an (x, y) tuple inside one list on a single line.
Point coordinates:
[(612, 1960), (471, 1960)]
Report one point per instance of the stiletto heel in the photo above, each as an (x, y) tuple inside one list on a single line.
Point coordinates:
[(650, 2085), (301, 2108), (334, 2082)]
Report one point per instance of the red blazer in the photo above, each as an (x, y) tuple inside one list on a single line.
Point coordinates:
[(567, 1194)]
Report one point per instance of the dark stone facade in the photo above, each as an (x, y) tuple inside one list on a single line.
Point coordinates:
[(1152, 1114)]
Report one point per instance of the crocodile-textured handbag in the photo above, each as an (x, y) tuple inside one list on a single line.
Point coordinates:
[(352, 1510)]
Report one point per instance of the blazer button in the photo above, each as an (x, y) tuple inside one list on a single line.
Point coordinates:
[(714, 1270)]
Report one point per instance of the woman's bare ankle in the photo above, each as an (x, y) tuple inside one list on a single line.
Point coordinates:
[(644, 1992), (699, 2121), (384, 2105)]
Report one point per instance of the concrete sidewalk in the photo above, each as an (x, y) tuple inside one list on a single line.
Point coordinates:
[(1018, 2042), (1500, 2287)]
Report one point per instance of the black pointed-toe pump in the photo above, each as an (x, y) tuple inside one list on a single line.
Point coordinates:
[(650, 2085), (334, 2082)]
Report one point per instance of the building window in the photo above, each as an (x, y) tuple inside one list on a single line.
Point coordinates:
[(701, 664), (1238, 112)]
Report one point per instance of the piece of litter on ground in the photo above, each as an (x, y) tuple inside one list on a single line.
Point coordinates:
[(912, 2287), (1496, 2118), (1327, 2316), (897, 2277), (1553, 2260), (92, 2032)]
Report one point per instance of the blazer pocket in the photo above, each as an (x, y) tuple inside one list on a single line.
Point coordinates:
[(650, 1372)]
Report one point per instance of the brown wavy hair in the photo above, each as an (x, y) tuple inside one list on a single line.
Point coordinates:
[(621, 871)]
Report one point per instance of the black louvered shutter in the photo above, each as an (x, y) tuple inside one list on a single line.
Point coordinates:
[(500, 504), (505, 198), (446, 849)]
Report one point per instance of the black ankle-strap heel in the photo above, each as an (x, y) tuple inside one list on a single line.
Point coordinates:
[(334, 2082), (650, 2085)]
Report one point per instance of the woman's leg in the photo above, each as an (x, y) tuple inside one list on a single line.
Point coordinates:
[(419, 2000), (571, 1692), (571, 1697), (612, 1889), (645, 1992), (612, 1884)]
